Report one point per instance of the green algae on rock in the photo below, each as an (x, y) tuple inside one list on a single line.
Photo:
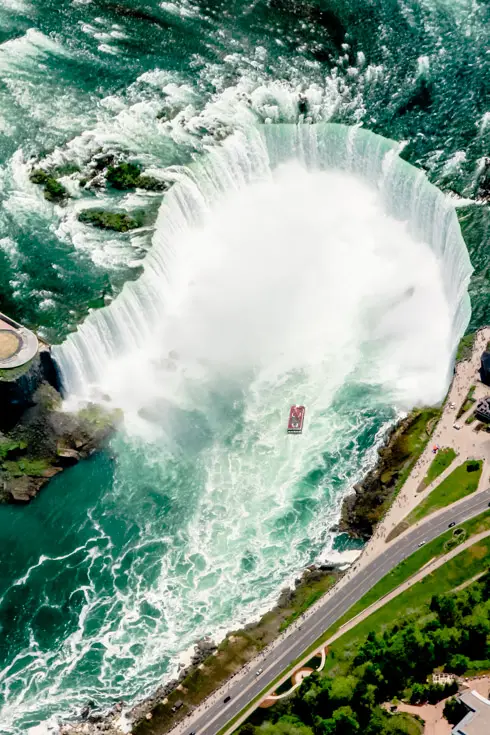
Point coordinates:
[(117, 221), (126, 176), (37, 439), (53, 190)]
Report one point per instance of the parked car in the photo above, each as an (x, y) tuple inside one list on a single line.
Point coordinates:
[(453, 523), (227, 699), (258, 672)]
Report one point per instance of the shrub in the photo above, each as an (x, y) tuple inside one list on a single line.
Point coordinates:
[(458, 663), (123, 176), (117, 221), (454, 711)]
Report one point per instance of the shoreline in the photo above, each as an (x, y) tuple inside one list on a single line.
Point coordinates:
[(153, 714), (211, 665)]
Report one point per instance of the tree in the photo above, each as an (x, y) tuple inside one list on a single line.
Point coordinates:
[(371, 650), (454, 711), (458, 663), (445, 607), (477, 628), (418, 694), (446, 641), (485, 586), (346, 721), (377, 722), (342, 690), (284, 726)]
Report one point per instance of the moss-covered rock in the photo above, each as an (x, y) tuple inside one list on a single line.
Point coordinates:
[(117, 221), (10, 447), (45, 440), (65, 169), (150, 183), (128, 176), (39, 176), (124, 176), (53, 190)]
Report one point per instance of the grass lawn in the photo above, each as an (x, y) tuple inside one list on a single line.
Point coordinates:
[(467, 403), (457, 485), (406, 569), (407, 724), (397, 576), (415, 440), (456, 571), (441, 461), (465, 347)]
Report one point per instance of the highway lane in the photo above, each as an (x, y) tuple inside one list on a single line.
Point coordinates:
[(209, 719)]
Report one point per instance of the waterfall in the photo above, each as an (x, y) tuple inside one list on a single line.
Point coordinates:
[(246, 157)]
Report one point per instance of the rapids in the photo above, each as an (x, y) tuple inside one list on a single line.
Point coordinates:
[(292, 260)]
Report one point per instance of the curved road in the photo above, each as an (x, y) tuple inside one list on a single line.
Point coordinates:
[(209, 719)]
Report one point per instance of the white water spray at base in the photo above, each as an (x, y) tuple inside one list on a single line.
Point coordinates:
[(293, 265), (253, 254)]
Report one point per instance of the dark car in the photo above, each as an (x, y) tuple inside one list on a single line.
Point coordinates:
[(226, 699), (453, 523)]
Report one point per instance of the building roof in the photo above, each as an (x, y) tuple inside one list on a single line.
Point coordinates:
[(483, 404), (477, 721), (18, 345)]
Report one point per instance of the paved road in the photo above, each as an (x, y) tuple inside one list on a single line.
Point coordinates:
[(210, 720)]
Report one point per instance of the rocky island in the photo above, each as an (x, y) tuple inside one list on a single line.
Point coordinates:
[(37, 438)]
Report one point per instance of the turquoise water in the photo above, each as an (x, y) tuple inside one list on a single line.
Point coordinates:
[(200, 510)]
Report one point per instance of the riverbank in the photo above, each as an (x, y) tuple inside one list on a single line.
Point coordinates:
[(213, 665), (38, 440), (363, 509), (399, 460)]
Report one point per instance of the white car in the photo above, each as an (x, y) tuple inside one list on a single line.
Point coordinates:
[(258, 672), (457, 426)]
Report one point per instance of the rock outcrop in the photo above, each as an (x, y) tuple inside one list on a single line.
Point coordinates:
[(37, 439), (365, 507)]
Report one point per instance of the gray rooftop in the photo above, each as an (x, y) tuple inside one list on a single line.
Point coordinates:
[(477, 721)]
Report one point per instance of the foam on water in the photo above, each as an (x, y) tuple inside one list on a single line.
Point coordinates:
[(134, 322), (294, 264), (183, 536)]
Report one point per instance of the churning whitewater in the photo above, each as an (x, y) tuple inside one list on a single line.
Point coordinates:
[(292, 264), (288, 263)]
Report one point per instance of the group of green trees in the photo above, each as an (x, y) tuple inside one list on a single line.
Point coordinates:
[(454, 635)]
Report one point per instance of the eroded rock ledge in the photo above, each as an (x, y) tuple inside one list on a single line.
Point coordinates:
[(37, 439), (372, 497)]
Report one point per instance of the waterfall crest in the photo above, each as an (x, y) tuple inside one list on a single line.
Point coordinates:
[(248, 157)]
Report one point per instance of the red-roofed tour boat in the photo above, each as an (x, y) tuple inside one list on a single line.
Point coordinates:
[(296, 419)]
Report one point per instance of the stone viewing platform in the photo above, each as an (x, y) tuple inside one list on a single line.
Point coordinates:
[(18, 345)]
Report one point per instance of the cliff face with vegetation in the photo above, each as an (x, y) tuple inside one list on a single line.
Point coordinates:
[(363, 509), (37, 439)]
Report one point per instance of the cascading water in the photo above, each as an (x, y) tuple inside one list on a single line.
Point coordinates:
[(292, 264), (134, 320), (289, 264)]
